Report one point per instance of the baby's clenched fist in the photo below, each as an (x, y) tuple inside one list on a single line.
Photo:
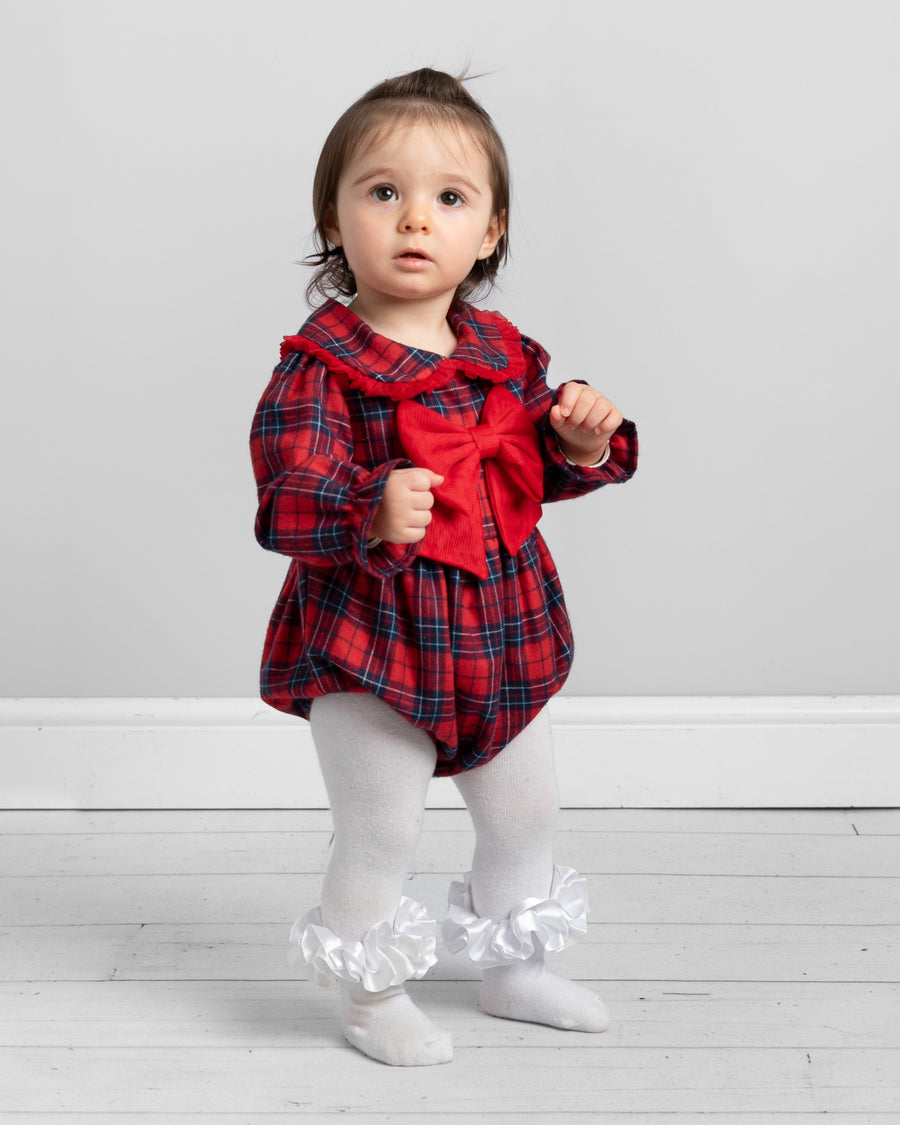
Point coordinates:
[(584, 421), (405, 510)]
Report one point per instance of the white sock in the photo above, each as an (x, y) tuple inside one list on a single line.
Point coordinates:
[(376, 767), (528, 990), (389, 1027), (513, 801)]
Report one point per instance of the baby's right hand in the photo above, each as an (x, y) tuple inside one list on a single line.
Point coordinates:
[(405, 509)]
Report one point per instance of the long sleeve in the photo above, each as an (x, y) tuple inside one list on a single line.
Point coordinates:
[(315, 502), (563, 480)]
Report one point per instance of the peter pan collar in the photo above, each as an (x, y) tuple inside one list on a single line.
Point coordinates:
[(489, 348)]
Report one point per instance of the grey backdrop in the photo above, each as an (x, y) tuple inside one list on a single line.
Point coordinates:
[(705, 226)]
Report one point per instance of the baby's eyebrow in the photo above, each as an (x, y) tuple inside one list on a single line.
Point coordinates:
[(374, 174), (391, 174)]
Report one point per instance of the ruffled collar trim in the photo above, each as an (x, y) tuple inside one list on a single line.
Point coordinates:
[(489, 347)]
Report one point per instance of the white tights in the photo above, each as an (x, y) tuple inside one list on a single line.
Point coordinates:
[(377, 768)]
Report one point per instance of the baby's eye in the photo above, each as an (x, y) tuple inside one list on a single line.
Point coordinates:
[(451, 198), (383, 193)]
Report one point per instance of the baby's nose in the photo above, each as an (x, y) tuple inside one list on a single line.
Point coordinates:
[(414, 219)]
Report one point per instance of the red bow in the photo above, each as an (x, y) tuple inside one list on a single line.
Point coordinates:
[(507, 441)]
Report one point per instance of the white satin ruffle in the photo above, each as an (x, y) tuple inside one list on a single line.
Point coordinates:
[(536, 923), (387, 955)]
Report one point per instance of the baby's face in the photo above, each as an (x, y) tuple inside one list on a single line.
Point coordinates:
[(414, 211)]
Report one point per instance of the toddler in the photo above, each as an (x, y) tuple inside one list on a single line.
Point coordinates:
[(402, 451)]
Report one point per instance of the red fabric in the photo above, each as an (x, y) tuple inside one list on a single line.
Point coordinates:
[(506, 440), (469, 660), (396, 371)]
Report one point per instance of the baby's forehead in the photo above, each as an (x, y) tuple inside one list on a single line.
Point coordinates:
[(460, 142)]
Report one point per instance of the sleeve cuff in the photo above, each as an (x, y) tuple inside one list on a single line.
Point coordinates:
[(372, 554)]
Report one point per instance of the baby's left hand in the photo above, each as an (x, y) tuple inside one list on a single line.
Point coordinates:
[(584, 421)]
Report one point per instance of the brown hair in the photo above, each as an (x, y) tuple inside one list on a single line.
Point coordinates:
[(422, 95)]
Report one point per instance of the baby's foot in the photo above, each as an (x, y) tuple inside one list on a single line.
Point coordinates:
[(389, 1027), (529, 991)]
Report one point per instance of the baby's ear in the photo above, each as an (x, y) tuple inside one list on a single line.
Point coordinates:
[(330, 225), (495, 232)]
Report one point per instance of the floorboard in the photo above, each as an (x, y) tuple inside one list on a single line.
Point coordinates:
[(750, 958), (334, 1079), (591, 852)]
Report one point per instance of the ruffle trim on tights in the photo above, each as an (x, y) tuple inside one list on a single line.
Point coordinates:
[(549, 923), (388, 954)]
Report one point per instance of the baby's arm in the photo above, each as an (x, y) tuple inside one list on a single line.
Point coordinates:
[(315, 502), (593, 460)]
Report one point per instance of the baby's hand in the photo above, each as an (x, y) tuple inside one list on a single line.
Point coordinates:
[(584, 422), (405, 509)]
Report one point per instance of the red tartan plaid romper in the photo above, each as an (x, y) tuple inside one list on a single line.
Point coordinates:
[(468, 657)]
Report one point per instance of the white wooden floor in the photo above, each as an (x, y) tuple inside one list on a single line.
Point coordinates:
[(751, 961)]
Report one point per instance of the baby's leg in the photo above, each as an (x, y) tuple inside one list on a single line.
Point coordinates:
[(513, 800), (377, 767)]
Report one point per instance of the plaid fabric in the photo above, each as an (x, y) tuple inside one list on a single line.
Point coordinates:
[(469, 660)]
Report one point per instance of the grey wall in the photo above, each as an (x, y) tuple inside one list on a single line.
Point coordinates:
[(705, 225)]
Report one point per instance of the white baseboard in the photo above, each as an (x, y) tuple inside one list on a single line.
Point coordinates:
[(813, 752)]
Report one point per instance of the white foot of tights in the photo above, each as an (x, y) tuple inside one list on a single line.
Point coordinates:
[(529, 991), (387, 1026)]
